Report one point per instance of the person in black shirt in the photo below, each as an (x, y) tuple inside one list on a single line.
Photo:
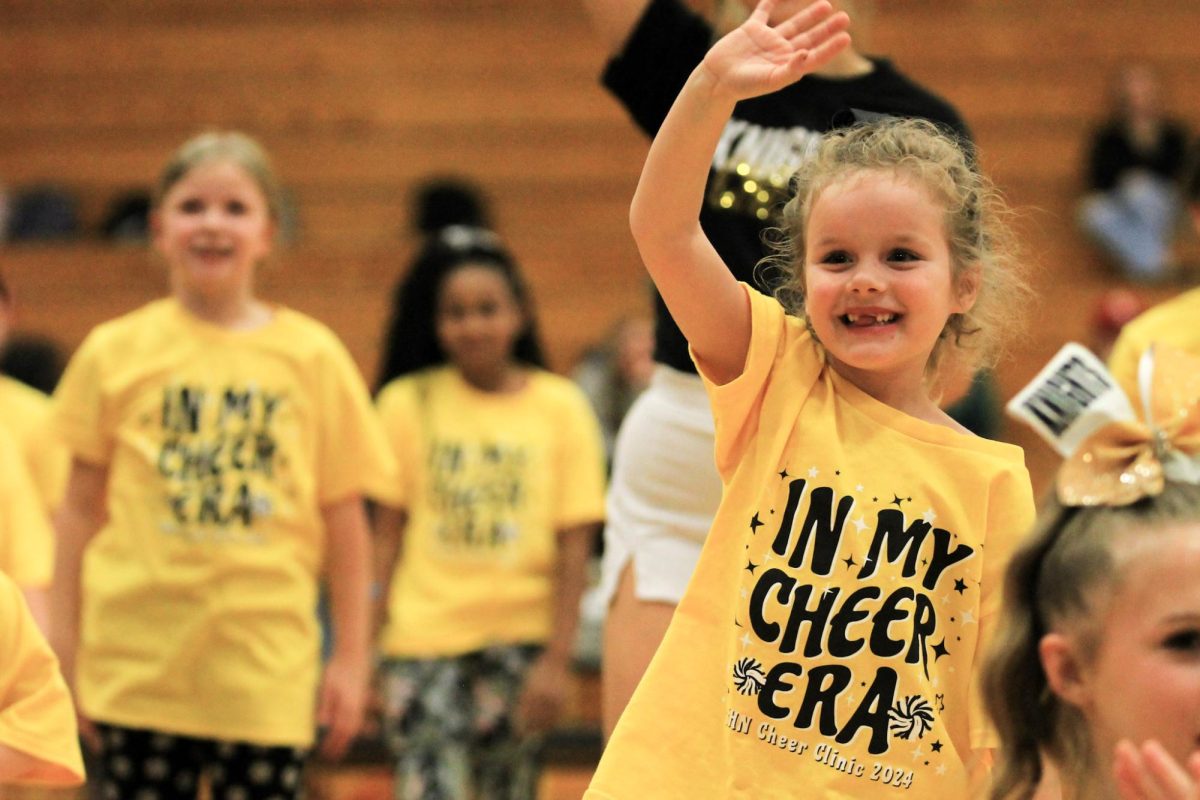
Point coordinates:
[(1134, 162)]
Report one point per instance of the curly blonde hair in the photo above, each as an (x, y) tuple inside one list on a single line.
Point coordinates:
[(982, 243)]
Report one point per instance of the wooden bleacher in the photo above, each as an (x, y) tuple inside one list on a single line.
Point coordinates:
[(360, 99)]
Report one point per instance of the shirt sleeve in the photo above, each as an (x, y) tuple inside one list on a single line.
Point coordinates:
[(36, 714), (79, 412), (738, 404), (397, 413), (352, 452), (1123, 361), (26, 539), (581, 462), (662, 50), (1010, 517)]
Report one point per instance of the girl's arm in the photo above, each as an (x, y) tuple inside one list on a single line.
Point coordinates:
[(549, 679), (697, 286), (80, 516), (389, 532), (342, 698)]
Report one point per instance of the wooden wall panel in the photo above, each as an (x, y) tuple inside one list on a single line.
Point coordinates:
[(360, 99)]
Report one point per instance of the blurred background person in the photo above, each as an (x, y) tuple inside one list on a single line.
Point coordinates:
[(1134, 159)]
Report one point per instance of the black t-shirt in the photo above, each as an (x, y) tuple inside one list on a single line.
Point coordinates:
[(761, 146), (1113, 153)]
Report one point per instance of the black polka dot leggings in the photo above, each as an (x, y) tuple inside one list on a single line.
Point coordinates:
[(150, 765)]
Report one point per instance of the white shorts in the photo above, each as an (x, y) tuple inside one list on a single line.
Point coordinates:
[(664, 490)]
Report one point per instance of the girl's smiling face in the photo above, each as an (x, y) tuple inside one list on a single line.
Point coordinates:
[(214, 227), (1144, 682), (880, 282), (1140, 678), (478, 319)]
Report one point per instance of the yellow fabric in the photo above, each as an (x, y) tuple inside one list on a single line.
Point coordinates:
[(893, 533), (26, 413), (222, 447), (26, 538), (488, 480), (1173, 323), (36, 715)]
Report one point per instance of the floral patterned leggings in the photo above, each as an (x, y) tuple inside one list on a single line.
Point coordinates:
[(449, 725)]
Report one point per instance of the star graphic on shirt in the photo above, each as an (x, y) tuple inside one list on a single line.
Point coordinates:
[(941, 768), (936, 747), (755, 523), (783, 473), (929, 516), (813, 472), (850, 562), (750, 567), (960, 585), (940, 650), (896, 500), (745, 593), (858, 488), (860, 524), (917, 752), (746, 640), (968, 618)]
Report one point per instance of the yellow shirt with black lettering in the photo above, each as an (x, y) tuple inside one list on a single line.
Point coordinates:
[(36, 714), (26, 413), (829, 641), (26, 538), (488, 480), (222, 447)]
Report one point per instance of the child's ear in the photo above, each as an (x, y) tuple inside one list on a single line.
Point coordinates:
[(1064, 667), (966, 287)]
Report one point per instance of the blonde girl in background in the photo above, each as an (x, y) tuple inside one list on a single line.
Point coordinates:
[(501, 496), (221, 447), (1097, 660), (829, 640)]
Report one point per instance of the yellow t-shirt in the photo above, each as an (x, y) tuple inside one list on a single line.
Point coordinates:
[(488, 480), (828, 643), (36, 715), (222, 447), (26, 538), (1173, 322), (26, 413)]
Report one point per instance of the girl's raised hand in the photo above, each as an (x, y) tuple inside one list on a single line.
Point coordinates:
[(756, 58), (1150, 773)]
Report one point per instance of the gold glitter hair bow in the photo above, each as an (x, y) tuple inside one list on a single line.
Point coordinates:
[(1113, 457)]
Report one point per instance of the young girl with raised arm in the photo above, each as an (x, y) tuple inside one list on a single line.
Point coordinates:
[(1097, 659), (501, 494), (827, 643), (221, 448)]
